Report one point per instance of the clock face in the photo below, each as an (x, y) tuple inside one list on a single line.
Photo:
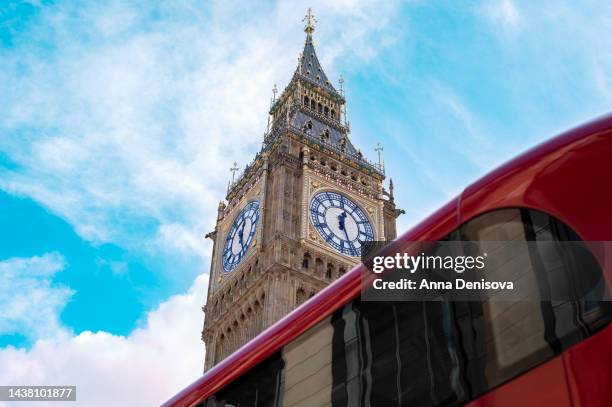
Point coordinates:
[(240, 236), (340, 222)]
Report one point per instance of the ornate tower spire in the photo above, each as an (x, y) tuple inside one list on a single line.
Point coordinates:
[(310, 104), (309, 66)]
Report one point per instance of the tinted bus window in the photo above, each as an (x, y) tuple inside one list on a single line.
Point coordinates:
[(516, 336), (260, 387), (393, 354), (440, 353)]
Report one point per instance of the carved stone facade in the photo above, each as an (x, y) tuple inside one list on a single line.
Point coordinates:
[(305, 152)]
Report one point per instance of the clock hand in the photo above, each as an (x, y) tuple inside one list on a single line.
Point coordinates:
[(342, 225), (241, 235), (346, 234), (341, 220)]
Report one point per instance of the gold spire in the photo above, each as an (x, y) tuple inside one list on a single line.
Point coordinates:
[(310, 21)]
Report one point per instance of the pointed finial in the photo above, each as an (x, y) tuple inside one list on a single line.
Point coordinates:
[(391, 188), (233, 170), (310, 21), (379, 149), (341, 82), (274, 92)]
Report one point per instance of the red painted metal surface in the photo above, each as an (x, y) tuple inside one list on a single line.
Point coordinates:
[(543, 386), (565, 177), (589, 371)]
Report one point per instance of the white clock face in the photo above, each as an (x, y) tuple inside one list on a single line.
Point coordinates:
[(340, 222), (240, 236)]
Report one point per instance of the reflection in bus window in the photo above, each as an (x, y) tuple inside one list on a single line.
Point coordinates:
[(258, 388), (519, 335), (396, 354)]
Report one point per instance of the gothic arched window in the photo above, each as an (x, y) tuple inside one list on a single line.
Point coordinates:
[(306, 260), (300, 296), (330, 271), (306, 101)]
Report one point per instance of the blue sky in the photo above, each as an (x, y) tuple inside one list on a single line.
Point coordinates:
[(119, 122)]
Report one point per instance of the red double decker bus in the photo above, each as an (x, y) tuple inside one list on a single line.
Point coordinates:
[(337, 350)]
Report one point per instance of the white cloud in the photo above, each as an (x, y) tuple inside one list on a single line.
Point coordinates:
[(29, 301), (143, 369), (503, 13), (179, 238)]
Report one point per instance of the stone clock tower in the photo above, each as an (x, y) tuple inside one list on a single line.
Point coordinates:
[(296, 219)]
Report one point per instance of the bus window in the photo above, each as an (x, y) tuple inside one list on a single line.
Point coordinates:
[(519, 335), (400, 353), (260, 387)]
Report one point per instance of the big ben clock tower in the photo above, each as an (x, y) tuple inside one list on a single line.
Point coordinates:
[(298, 216)]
